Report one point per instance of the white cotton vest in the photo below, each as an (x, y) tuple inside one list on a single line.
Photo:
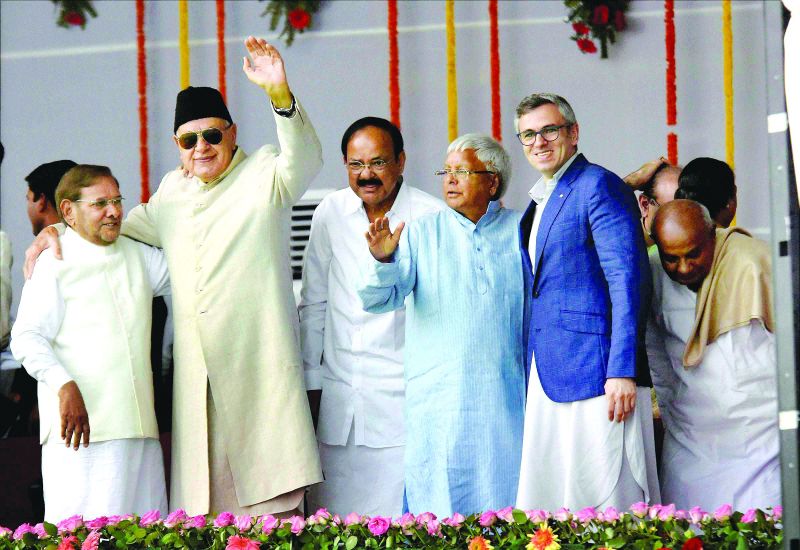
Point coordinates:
[(104, 339)]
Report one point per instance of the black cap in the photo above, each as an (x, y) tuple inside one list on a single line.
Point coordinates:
[(45, 178), (201, 102)]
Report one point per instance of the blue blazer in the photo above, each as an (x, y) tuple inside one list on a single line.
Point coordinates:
[(586, 305)]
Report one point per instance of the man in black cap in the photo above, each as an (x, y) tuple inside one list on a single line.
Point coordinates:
[(242, 436), (42, 183)]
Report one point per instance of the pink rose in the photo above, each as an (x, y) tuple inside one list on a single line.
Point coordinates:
[(425, 517), (92, 541), (611, 514), (666, 512), (243, 523), (195, 522), (697, 514), (681, 514), (96, 523), (585, 515), (749, 516), (321, 517), (150, 518), (236, 542), (224, 519), (406, 522), (488, 518), (777, 513), (562, 514), (20, 531), (537, 516), (378, 525), (176, 518), (70, 524), (506, 514), (352, 519), (113, 520), (723, 512), (336, 519), (654, 511), (639, 509), (432, 526), (297, 523), (268, 523), (455, 521), (39, 531), (68, 543), (5, 532)]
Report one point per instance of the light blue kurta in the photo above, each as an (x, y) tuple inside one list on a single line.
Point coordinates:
[(464, 370)]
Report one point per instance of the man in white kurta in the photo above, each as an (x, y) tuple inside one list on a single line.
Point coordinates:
[(719, 406), (242, 436), (83, 331), (356, 358)]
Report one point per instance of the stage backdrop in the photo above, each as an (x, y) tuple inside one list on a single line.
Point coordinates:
[(68, 93)]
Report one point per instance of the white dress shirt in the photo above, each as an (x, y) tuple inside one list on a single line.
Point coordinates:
[(354, 357)]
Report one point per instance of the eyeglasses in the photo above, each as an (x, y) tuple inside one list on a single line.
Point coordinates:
[(377, 165), (461, 173), (100, 204), (548, 133), (212, 136)]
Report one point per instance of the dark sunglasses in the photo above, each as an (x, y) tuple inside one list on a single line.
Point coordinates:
[(212, 136)]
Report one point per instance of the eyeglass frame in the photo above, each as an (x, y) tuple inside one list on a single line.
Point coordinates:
[(101, 204), (198, 134), (377, 166), (541, 132), (461, 172)]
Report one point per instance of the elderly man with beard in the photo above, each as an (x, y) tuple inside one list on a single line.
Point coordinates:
[(83, 331), (356, 358), (242, 437), (464, 370), (712, 355)]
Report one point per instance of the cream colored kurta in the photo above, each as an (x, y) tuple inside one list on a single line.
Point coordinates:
[(227, 245)]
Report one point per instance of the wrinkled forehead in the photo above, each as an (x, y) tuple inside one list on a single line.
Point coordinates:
[(201, 124)]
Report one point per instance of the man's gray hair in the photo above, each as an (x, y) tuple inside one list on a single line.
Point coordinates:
[(489, 152), (537, 100)]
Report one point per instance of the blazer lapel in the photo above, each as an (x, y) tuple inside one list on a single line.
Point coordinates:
[(525, 225)]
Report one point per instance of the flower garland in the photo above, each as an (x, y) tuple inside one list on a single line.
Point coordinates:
[(183, 41), (296, 14), (727, 69), (642, 527), (494, 64), (394, 63), (73, 13), (672, 109), (141, 72), (600, 19), (452, 85), (223, 89)]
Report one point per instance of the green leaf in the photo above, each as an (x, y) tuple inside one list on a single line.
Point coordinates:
[(351, 543), (389, 541), (519, 516), (50, 529), (741, 544), (617, 542)]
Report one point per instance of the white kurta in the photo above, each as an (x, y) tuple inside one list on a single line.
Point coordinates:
[(572, 455), (721, 441), (355, 358), (235, 319), (122, 469)]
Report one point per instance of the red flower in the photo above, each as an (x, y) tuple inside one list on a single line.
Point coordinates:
[(694, 543), (75, 18), (299, 18), (586, 45), (600, 15), (580, 28), (619, 21)]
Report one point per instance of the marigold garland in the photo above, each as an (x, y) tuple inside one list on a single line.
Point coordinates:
[(141, 71), (494, 63), (394, 63), (672, 109), (727, 70), (183, 41), (452, 88), (223, 89)]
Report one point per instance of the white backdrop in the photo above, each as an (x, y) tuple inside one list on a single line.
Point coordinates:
[(68, 93)]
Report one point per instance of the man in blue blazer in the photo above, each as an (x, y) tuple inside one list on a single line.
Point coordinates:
[(587, 291)]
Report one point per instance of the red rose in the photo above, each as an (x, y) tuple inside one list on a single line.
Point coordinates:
[(600, 15), (586, 45), (693, 543), (299, 18), (75, 18), (580, 28), (619, 20)]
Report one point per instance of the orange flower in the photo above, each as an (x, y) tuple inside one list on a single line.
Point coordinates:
[(479, 543), (543, 539)]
